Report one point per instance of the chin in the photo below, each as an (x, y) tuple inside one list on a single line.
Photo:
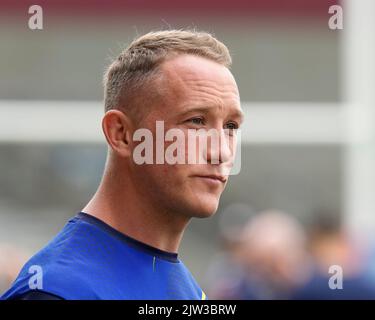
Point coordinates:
[(205, 208)]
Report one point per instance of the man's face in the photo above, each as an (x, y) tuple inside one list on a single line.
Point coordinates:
[(200, 94)]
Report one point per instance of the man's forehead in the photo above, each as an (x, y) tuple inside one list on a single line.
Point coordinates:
[(189, 67)]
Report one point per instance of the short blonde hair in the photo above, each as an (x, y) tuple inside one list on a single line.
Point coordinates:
[(127, 80)]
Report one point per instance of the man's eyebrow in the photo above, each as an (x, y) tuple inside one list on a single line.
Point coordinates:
[(237, 113), (188, 110)]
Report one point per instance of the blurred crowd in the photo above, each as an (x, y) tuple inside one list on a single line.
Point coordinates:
[(271, 255)]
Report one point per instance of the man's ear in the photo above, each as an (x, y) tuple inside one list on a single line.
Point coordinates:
[(117, 129)]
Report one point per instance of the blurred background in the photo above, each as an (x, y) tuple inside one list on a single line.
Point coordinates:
[(305, 196)]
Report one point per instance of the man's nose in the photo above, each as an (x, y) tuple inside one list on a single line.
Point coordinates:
[(218, 148)]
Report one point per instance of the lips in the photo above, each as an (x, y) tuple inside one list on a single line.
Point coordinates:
[(213, 177)]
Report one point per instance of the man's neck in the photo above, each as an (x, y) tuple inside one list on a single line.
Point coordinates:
[(117, 204)]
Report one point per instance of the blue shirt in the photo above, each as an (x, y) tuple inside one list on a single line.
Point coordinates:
[(88, 259)]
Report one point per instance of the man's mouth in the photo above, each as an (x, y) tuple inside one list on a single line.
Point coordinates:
[(213, 178)]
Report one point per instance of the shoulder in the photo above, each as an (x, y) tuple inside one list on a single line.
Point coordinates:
[(60, 268), (63, 281)]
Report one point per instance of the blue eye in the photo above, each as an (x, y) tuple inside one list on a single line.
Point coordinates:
[(196, 121)]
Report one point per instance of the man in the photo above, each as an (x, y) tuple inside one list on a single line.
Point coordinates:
[(124, 243)]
